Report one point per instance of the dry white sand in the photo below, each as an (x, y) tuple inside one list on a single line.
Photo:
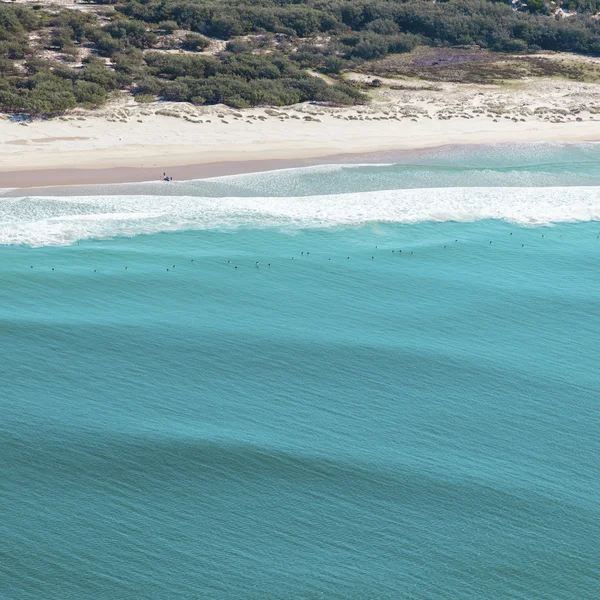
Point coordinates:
[(162, 135)]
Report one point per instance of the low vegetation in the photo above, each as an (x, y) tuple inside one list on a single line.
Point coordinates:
[(479, 66), (266, 52)]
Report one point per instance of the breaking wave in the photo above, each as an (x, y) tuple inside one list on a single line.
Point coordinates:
[(41, 221)]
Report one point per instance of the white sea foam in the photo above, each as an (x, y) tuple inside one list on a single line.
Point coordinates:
[(39, 221)]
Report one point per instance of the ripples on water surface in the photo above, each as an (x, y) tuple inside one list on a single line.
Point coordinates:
[(421, 424)]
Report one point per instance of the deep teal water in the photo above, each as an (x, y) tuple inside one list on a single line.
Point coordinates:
[(422, 424)]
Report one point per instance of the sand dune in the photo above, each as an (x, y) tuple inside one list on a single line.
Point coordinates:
[(412, 115)]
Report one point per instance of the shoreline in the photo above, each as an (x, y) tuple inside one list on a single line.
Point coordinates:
[(133, 143), (115, 175), (33, 179)]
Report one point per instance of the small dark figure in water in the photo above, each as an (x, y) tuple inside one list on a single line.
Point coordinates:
[(192, 260), (53, 268), (235, 267), (269, 264), (348, 258), (228, 262), (444, 247), (372, 257), (301, 253), (126, 268), (490, 242)]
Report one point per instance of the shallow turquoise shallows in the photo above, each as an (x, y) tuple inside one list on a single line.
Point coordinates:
[(359, 382)]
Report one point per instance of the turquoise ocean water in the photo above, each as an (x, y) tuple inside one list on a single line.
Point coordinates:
[(395, 395)]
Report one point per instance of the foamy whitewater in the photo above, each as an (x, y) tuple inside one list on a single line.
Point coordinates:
[(358, 382), (40, 221)]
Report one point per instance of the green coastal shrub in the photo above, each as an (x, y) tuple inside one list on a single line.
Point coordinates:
[(270, 46), (195, 42)]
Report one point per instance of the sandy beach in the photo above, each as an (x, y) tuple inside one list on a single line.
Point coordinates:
[(132, 142)]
